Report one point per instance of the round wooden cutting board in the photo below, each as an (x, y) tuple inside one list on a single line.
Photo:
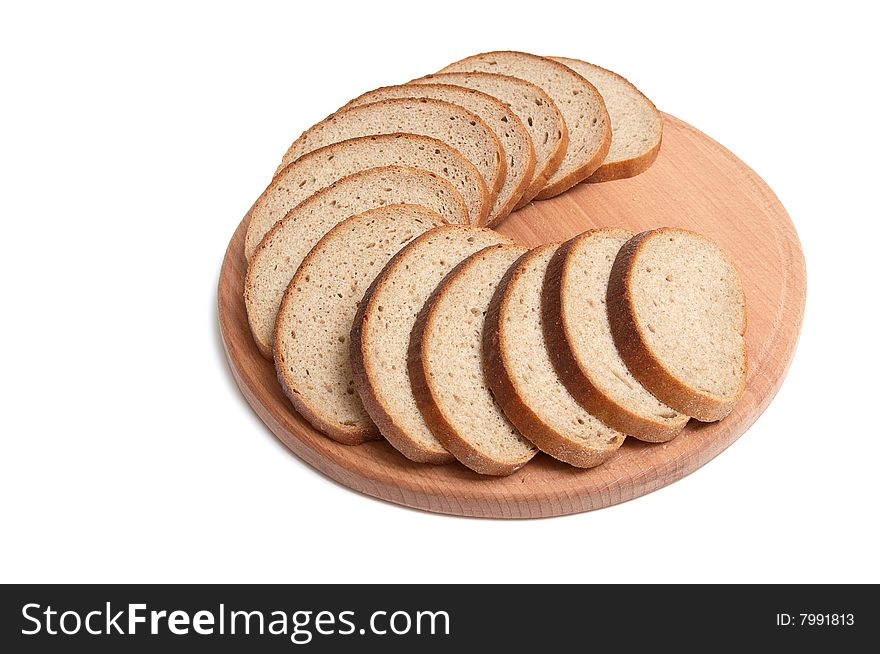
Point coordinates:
[(696, 184)]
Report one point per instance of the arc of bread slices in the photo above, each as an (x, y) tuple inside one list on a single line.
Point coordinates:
[(581, 345), (283, 249), (582, 107), (322, 167), (316, 314), (522, 377), (636, 125), (516, 144), (678, 316), (380, 335)]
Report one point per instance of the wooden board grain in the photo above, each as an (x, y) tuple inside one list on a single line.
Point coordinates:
[(696, 184)]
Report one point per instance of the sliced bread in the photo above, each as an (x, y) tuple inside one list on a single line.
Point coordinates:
[(589, 129), (283, 249), (381, 333), (581, 346), (321, 168), (678, 316), (636, 125), (535, 109), (447, 122), (445, 367), (522, 376), (314, 322), (519, 153)]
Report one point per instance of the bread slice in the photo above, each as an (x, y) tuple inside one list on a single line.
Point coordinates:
[(522, 376), (314, 322), (516, 144), (535, 109), (678, 315), (381, 332), (289, 241), (636, 125), (589, 129), (581, 346), (447, 122), (321, 168), (445, 366)]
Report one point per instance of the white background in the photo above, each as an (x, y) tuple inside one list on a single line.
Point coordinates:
[(133, 141)]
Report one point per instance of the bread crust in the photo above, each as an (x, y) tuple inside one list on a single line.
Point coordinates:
[(253, 237), (573, 373), (587, 168), (626, 168), (492, 192), (631, 167), (517, 192), (424, 388), (642, 362), (545, 170), (363, 371), (311, 412), (507, 392)]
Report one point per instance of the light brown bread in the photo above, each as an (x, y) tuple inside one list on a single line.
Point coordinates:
[(518, 151), (319, 169), (678, 317), (535, 109), (445, 367), (381, 332), (314, 322), (636, 125), (582, 107), (581, 347), (447, 122), (283, 249), (522, 376)]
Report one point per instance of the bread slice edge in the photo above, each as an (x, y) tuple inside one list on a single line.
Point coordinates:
[(647, 368), (253, 239), (335, 431), (633, 166), (578, 383), (542, 174), (504, 388), (494, 216), (491, 193), (424, 389)]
